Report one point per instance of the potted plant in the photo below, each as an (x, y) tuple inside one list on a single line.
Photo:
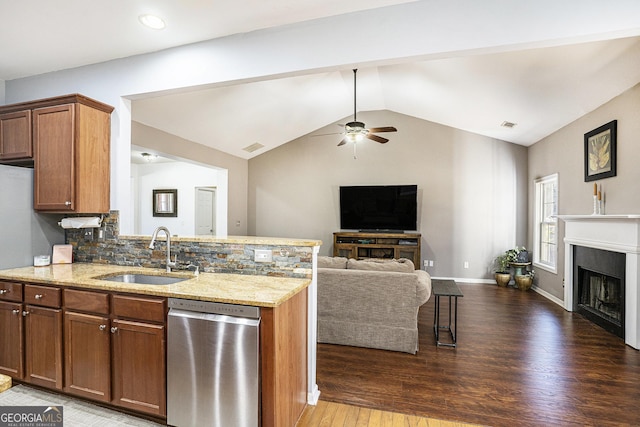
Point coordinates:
[(519, 254), (502, 273), (525, 281)]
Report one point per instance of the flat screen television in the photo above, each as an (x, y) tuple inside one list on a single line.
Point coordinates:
[(379, 207)]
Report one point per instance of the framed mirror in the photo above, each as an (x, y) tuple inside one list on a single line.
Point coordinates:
[(165, 203)]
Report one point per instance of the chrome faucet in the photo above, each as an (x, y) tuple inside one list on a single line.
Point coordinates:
[(153, 244)]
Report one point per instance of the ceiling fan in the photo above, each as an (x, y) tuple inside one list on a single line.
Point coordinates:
[(356, 131)]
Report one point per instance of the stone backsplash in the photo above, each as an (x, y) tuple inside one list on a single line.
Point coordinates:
[(210, 255)]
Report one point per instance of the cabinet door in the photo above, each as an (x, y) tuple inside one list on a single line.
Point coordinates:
[(53, 143), (87, 356), (139, 373), (11, 348), (43, 346), (15, 136)]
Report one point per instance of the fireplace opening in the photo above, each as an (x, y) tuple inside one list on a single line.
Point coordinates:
[(599, 288)]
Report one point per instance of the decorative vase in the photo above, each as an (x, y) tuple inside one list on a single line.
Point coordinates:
[(524, 283), (502, 279)]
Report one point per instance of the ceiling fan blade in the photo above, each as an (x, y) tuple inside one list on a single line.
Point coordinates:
[(383, 129), (377, 138), (325, 134), (344, 141)]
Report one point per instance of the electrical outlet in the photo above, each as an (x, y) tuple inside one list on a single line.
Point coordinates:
[(262, 255), (431, 263), (426, 263), (88, 234), (466, 264)]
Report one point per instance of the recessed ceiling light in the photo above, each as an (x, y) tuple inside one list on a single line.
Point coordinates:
[(149, 157), (152, 21), (506, 124)]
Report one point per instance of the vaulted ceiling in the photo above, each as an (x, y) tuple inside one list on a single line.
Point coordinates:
[(539, 87)]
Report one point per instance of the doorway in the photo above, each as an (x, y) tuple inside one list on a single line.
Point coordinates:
[(205, 211)]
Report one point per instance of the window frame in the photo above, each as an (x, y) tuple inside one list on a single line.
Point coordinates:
[(538, 220)]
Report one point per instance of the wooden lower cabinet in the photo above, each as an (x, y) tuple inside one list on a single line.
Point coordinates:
[(30, 338), (87, 343), (43, 346), (11, 340), (112, 359), (283, 349), (139, 367)]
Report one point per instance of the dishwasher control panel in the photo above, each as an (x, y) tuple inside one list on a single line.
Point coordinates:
[(237, 310)]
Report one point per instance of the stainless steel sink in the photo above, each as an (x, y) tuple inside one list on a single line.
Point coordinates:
[(143, 279)]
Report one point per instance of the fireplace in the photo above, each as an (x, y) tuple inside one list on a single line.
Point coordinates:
[(618, 235), (599, 287)]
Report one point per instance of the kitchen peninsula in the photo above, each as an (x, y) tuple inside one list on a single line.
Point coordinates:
[(74, 309)]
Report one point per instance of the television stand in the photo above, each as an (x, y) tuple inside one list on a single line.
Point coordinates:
[(363, 245)]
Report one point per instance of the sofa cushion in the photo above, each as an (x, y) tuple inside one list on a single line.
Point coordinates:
[(331, 262), (402, 265)]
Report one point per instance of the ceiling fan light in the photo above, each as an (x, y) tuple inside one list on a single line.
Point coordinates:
[(355, 126), (355, 136)]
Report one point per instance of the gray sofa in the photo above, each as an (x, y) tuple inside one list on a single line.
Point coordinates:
[(372, 303)]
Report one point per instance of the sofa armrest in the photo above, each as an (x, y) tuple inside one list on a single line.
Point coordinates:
[(423, 289)]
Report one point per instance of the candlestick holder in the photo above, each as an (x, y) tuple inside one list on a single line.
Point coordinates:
[(596, 207)]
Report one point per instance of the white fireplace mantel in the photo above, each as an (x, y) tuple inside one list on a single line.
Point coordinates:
[(616, 233)]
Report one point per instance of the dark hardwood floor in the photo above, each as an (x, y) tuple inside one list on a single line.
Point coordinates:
[(521, 360)]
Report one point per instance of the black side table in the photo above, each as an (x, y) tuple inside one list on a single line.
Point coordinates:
[(446, 288)]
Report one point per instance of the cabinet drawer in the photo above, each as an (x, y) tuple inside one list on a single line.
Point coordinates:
[(10, 291), (42, 295), (94, 302), (151, 309)]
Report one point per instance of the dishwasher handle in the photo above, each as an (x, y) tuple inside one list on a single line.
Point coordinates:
[(211, 317), (236, 310)]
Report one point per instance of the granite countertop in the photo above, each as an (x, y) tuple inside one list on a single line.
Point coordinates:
[(260, 291)]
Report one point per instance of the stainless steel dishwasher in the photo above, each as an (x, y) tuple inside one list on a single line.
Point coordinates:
[(213, 376)]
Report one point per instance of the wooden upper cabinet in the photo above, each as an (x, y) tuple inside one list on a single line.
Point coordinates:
[(15, 137), (67, 141), (71, 158)]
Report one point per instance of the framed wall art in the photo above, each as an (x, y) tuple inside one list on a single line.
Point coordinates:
[(165, 203), (600, 152)]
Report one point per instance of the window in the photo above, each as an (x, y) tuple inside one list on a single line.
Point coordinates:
[(545, 236)]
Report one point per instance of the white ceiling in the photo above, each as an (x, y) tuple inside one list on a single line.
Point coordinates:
[(540, 88)]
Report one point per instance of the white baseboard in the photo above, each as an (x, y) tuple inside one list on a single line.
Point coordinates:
[(548, 296), (467, 280), (542, 292), (314, 396)]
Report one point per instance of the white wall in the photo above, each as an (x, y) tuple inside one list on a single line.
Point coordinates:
[(232, 175), (471, 189), (563, 153), (23, 232), (185, 178), (384, 35)]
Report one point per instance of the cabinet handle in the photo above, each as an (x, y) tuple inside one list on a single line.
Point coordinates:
[(24, 313), (103, 327), (3, 291), (67, 203), (114, 329), (15, 311), (38, 296)]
